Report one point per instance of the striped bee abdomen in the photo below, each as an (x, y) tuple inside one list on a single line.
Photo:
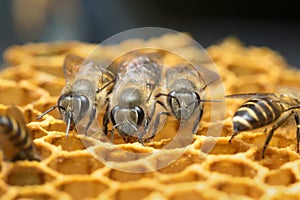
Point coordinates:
[(15, 141), (6, 125), (17, 134), (256, 113)]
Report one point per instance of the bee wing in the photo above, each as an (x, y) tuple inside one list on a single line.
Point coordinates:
[(208, 75), (71, 66), (250, 95), (17, 114), (185, 71), (171, 75), (139, 57)]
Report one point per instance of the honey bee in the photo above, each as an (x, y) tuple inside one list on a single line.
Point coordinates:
[(185, 93), (86, 90), (265, 108), (15, 139), (133, 109)]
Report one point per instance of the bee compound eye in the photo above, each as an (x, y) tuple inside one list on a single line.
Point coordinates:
[(171, 99), (137, 114), (113, 114), (196, 98), (64, 101), (84, 103), (173, 102), (193, 102), (78, 105)]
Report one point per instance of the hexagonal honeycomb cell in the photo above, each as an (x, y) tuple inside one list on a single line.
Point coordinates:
[(68, 168)]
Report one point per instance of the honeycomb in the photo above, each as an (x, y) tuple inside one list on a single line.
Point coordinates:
[(33, 80)]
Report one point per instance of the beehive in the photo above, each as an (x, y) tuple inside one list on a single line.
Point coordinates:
[(67, 170)]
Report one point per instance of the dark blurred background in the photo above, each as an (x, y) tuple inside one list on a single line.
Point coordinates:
[(274, 24)]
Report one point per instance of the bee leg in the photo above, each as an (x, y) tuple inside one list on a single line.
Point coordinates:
[(277, 124), (232, 136), (196, 124), (92, 117), (112, 136), (156, 123), (140, 140), (32, 153), (140, 137), (69, 123), (105, 120), (297, 119), (112, 133)]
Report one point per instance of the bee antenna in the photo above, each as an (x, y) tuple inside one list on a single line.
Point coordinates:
[(162, 104), (167, 95), (49, 110), (204, 100), (209, 100)]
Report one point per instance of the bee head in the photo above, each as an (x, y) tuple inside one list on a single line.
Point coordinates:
[(127, 120), (72, 107), (183, 103), (128, 115)]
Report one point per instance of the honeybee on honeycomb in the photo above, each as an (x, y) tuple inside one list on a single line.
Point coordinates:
[(185, 93), (228, 171), (15, 139), (133, 108), (86, 90), (265, 108)]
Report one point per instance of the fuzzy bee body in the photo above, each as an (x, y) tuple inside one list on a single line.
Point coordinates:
[(185, 94), (86, 91), (132, 107), (15, 139), (263, 109)]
